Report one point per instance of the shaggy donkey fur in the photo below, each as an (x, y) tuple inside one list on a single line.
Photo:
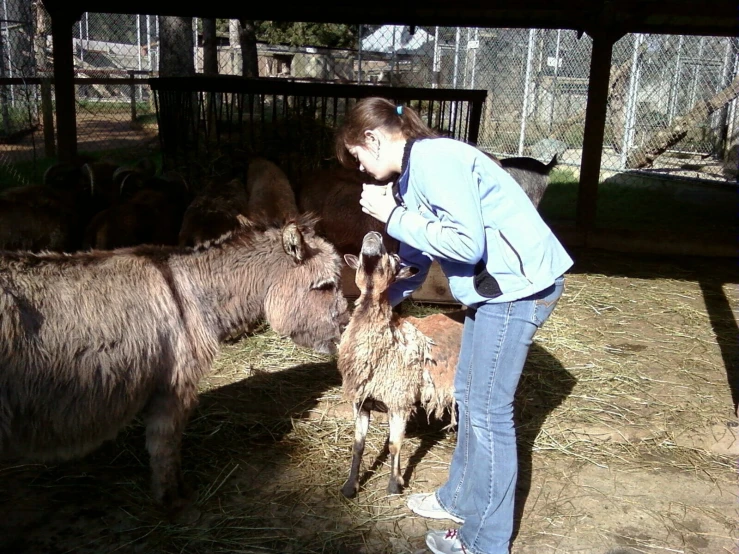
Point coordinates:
[(89, 340)]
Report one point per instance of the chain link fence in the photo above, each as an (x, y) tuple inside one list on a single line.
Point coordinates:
[(537, 82)]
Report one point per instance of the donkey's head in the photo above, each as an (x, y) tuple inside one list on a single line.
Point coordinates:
[(305, 302), (376, 268)]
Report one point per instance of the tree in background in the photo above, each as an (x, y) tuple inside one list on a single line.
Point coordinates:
[(331, 35), (176, 46)]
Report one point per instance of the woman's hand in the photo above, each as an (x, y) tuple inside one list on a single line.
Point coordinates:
[(378, 201)]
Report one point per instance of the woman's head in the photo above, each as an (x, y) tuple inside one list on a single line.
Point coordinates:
[(373, 120)]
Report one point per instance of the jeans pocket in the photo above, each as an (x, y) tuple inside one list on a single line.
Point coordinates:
[(546, 300)]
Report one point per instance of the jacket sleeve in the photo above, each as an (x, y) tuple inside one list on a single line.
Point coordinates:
[(452, 228), (403, 288)]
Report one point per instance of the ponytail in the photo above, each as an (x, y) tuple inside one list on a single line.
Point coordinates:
[(373, 113)]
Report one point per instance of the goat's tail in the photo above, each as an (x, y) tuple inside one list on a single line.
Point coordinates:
[(551, 164)]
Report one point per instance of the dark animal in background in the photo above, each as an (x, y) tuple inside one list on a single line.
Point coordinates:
[(106, 177), (531, 174), (51, 216), (90, 340), (392, 363), (149, 211), (214, 212), (334, 195), (269, 191)]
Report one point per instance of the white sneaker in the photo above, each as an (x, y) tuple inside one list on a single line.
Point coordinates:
[(445, 542), (426, 505)]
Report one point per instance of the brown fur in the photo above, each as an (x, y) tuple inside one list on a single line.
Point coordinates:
[(334, 195), (150, 212), (89, 340), (213, 212), (51, 216), (392, 362), (269, 191)]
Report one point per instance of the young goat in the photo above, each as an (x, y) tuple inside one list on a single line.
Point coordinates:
[(390, 363)]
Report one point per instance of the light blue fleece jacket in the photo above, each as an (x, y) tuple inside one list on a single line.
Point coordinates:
[(459, 207)]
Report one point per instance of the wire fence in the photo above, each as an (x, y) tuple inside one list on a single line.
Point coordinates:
[(537, 83)]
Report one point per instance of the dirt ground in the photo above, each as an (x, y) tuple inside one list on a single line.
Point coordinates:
[(626, 427), (95, 132)]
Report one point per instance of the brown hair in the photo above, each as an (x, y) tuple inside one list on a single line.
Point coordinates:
[(372, 113)]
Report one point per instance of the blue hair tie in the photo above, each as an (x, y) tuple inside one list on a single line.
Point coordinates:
[(399, 109)]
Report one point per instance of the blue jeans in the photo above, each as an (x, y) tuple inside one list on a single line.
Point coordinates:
[(482, 476)]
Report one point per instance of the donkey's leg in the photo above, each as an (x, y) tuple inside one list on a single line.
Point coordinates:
[(165, 418), (397, 433), (361, 426)]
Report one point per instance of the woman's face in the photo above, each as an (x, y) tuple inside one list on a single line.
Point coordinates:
[(372, 157)]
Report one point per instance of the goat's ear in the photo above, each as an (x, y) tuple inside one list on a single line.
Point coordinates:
[(352, 261), (405, 272), (293, 243)]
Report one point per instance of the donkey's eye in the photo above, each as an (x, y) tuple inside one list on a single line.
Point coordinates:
[(324, 285)]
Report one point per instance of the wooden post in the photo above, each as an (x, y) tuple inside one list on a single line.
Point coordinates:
[(475, 118), (595, 122), (133, 97), (61, 34), (47, 113)]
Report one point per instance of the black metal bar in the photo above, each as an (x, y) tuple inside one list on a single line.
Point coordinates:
[(235, 83)]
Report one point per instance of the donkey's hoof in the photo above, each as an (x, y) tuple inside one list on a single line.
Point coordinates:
[(349, 490), (394, 488)]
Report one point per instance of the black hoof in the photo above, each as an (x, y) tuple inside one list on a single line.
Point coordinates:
[(394, 488), (349, 490)]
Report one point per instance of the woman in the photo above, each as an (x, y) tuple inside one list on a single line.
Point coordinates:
[(452, 203)]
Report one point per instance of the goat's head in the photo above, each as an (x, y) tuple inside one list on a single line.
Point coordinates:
[(376, 268)]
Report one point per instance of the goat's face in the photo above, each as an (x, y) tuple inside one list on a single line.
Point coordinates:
[(376, 268), (306, 302)]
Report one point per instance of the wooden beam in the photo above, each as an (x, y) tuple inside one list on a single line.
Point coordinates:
[(632, 16), (595, 122), (66, 122)]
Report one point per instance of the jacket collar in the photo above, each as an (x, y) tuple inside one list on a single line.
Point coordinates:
[(403, 177)]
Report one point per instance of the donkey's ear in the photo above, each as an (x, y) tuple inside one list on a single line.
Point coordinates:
[(293, 243), (352, 261), (405, 272)]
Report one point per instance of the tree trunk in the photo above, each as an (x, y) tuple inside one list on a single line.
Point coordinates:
[(42, 28), (616, 92), (176, 47), (248, 40), (210, 47), (662, 140)]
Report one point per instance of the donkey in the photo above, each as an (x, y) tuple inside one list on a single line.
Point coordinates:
[(89, 340)]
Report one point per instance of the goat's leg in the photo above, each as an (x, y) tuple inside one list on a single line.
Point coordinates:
[(165, 418), (361, 426), (397, 433)]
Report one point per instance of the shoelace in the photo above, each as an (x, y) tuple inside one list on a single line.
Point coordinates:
[(451, 534)]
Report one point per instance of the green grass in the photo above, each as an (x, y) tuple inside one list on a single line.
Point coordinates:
[(641, 204), (17, 119), (96, 107)]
